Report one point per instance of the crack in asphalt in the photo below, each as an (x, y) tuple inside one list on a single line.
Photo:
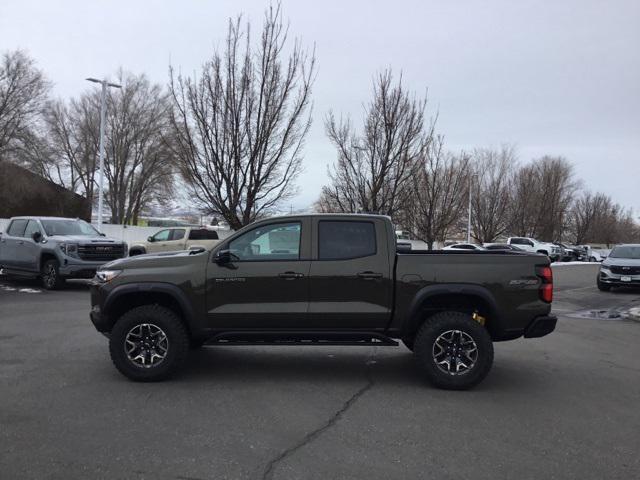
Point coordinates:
[(270, 468)]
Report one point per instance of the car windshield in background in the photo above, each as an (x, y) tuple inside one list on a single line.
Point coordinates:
[(626, 252), (69, 227)]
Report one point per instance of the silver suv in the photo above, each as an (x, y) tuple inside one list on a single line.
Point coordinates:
[(55, 249)]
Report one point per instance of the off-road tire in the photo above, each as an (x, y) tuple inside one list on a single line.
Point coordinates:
[(602, 287), (50, 275), (436, 325), (169, 323)]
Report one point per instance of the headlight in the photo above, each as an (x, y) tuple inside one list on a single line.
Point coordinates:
[(107, 275), (605, 267), (69, 248)]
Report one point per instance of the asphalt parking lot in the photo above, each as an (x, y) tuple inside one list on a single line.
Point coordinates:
[(563, 406)]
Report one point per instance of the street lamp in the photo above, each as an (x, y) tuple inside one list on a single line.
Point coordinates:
[(103, 111)]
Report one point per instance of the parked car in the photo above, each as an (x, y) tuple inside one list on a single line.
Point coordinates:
[(172, 239), (621, 268), (502, 246), (55, 249), (552, 251), (322, 280), (463, 246)]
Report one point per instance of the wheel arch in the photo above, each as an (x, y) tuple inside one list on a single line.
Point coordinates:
[(125, 297), (457, 297), (45, 256)]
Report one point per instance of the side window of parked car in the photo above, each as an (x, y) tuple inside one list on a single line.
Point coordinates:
[(17, 227), (32, 227), (344, 240), (177, 234), (162, 236), (279, 241)]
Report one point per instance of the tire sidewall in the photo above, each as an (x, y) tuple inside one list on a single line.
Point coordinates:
[(432, 329), (58, 282), (170, 324)]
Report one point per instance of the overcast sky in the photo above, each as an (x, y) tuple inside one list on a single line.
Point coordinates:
[(551, 77)]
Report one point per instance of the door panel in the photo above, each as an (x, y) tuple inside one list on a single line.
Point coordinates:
[(31, 249), (266, 286), (350, 292), (255, 295), (12, 241)]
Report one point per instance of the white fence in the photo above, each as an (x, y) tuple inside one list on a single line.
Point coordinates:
[(127, 233)]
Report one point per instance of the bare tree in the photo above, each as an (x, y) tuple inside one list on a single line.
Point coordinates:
[(139, 166), (542, 196), (587, 216), (439, 194), (23, 89), (239, 130), (491, 192), (374, 169)]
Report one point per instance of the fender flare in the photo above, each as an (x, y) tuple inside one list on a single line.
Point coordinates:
[(413, 318), (152, 287)]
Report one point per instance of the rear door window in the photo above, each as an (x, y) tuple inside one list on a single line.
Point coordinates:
[(203, 234), (17, 227), (341, 240)]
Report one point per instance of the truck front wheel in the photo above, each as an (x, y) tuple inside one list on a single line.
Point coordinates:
[(50, 275), (454, 351), (148, 343)]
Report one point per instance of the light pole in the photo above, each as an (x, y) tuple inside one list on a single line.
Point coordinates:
[(103, 112)]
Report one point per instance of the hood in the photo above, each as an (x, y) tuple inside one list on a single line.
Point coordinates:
[(152, 260), (621, 262), (83, 239)]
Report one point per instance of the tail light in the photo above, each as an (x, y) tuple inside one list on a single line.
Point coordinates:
[(546, 287)]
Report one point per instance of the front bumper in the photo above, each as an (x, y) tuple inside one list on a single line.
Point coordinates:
[(615, 280), (99, 319), (74, 268), (541, 326)]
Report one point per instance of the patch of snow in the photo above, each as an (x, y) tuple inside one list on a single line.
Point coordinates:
[(29, 290), (560, 264), (634, 313)]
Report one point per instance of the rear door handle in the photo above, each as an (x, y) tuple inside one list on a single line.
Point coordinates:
[(369, 275), (20, 242), (290, 275)]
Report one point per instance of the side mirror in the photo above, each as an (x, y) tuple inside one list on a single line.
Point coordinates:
[(103, 234), (150, 239), (224, 257), (37, 236)]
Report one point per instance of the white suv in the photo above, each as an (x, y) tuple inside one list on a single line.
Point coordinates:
[(554, 252)]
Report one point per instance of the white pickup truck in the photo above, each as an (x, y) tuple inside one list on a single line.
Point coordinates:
[(554, 252), (178, 238)]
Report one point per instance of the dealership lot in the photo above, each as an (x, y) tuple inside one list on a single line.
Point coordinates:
[(561, 406)]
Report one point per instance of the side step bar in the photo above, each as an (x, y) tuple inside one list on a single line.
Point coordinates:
[(293, 337)]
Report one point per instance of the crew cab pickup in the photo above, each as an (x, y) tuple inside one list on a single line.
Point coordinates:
[(322, 280), (554, 252), (172, 239), (55, 249)]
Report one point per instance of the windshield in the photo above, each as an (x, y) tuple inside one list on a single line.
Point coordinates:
[(69, 227), (626, 252)]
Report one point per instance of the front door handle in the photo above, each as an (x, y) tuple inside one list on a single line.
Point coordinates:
[(20, 242), (290, 275), (369, 275)]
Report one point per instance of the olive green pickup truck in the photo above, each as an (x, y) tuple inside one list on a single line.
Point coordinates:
[(322, 280)]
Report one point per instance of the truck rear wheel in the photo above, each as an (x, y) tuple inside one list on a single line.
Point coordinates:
[(454, 351), (148, 343)]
